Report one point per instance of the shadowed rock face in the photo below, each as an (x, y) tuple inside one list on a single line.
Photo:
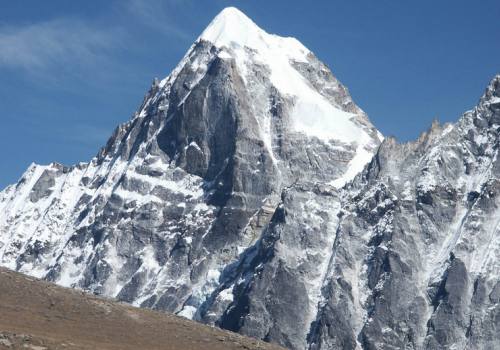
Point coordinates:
[(212, 203)]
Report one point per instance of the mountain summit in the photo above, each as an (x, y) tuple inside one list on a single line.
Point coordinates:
[(236, 196), (231, 26)]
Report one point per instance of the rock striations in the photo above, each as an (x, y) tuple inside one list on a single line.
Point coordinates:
[(236, 196)]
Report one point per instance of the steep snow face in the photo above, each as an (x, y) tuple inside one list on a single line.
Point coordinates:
[(313, 113)]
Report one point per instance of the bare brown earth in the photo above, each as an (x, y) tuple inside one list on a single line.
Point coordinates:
[(38, 315)]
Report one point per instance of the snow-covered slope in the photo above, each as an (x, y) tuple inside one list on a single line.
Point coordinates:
[(223, 200)]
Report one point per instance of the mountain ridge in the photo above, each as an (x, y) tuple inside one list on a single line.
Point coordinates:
[(276, 210)]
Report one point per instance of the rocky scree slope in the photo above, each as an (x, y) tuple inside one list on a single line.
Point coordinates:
[(39, 315), (222, 200)]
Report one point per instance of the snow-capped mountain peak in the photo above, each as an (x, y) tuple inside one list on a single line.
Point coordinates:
[(184, 191), (323, 111)]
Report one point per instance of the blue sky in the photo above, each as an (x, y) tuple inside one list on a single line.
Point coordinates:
[(70, 71)]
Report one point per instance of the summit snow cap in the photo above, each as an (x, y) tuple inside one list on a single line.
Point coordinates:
[(232, 28)]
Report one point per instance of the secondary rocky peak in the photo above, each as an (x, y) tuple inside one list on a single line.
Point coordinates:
[(492, 93)]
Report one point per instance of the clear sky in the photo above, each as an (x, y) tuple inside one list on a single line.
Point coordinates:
[(70, 71)]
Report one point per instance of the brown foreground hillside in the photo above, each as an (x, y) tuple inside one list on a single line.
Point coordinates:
[(38, 315)]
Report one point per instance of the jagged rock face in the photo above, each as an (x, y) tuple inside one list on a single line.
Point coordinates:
[(222, 200), (417, 248)]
